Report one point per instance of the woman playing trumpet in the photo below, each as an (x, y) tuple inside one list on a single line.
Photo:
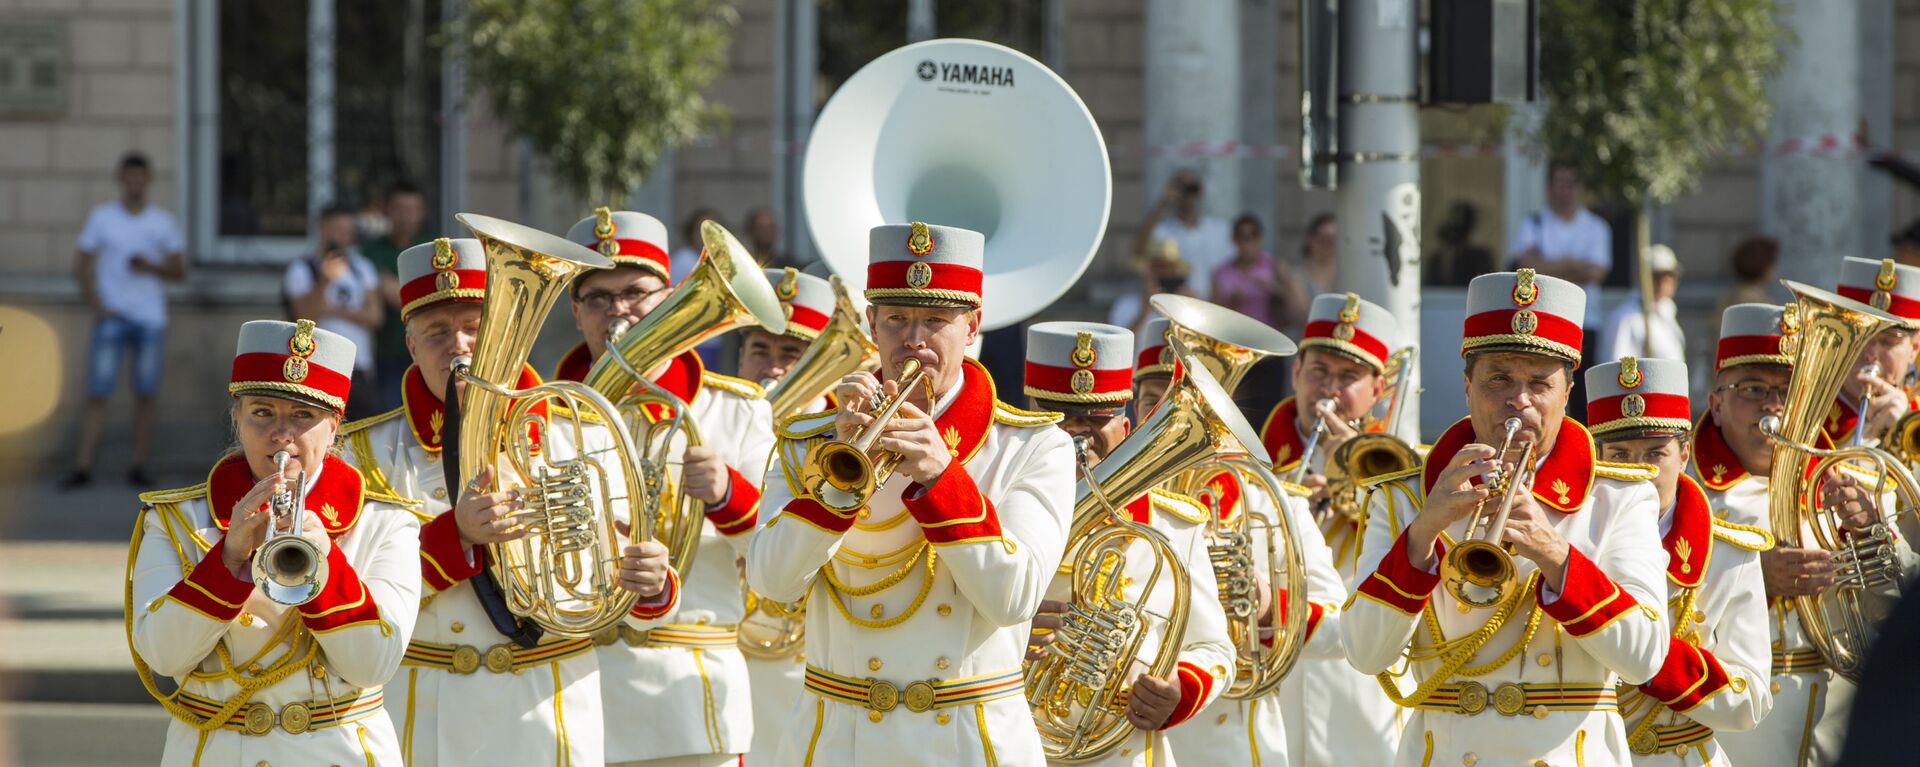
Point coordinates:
[(265, 675)]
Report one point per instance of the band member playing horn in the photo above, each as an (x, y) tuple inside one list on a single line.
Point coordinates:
[(1332, 711), (467, 694), (1516, 571), (1083, 370), (279, 593), (1638, 412), (923, 534), (1879, 380), (690, 669)]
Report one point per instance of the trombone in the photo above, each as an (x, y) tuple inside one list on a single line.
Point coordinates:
[(844, 473), (1479, 571), (288, 567)]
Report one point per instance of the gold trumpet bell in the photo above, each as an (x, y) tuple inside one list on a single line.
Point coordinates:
[(1479, 574)]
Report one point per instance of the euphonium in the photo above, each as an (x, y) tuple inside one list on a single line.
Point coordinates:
[(1841, 622), (841, 348), (1479, 571), (288, 568), (845, 472), (725, 292), (563, 575)]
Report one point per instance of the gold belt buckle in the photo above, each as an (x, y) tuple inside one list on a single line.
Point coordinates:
[(500, 659), (259, 719), (920, 697), (632, 636), (882, 696), (1473, 698), (295, 718), (607, 636), (1509, 699), (466, 660), (1645, 743)]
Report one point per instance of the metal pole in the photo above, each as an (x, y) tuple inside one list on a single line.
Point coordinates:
[(1378, 200), (320, 191), (1812, 204), (919, 20), (453, 109)]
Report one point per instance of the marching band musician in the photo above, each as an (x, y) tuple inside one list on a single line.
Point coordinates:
[(1884, 364), (471, 695), (919, 603), (1529, 678), (1083, 370), (690, 669), (1710, 683), (1333, 711), (264, 680)]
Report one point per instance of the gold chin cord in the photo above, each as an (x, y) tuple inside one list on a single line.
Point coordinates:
[(288, 567), (1479, 572), (1841, 622), (844, 473)]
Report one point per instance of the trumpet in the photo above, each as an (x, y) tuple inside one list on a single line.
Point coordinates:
[(288, 568), (1479, 571), (1322, 409), (1866, 396), (844, 473)]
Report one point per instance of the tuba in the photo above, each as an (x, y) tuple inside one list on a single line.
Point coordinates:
[(841, 348), (563, 574), (288, 568), (725, 292), (1843, 621)]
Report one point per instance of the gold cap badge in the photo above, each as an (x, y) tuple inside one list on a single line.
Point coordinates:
[(1083, 353), (1630, 377), (789, 284), (1525, 322), (1633, 406), (443, 257), (1524, 290), (603, 227), (301, 344), (1082, 381), (294, 370), (920, 241), (919, 275)]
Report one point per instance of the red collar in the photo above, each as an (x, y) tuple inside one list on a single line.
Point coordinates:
[(426, 414), (1841, 420), (681, 379), (1141, 509), (1562, 481), (1713, 459), (335, 497), (576, 363), (1281, 435), (1690, 538), (965, 424), (1221, 493)]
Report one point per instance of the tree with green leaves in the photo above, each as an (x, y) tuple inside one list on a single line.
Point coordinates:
[(600, 88)]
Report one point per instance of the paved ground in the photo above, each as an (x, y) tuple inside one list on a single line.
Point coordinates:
[(81, 735)]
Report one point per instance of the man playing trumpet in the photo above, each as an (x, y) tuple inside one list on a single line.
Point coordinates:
[(1879, 380), (1513, 667)]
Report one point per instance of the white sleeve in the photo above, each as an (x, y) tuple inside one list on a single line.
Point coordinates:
[(91, 238), (170, 240), (299, 280)]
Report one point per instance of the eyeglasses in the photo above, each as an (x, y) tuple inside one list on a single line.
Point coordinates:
[(1755, 392), (601, 300)]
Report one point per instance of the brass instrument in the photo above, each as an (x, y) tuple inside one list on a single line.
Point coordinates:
[(563, 575), (1866, 396), (288, 568), (1903, 439), (844, 473), (1376, 452), (725, 292), (1225, 342), (1841, 622), (841, 348), (1322, 410), (1479, 570)]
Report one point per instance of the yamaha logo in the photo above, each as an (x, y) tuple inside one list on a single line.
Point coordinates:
[(928, 70), (966, 74)]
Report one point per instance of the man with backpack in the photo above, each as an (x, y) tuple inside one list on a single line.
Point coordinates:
[(340, 290)]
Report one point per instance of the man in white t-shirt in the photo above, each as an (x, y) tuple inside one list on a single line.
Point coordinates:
[(1204, 242), (339, 290), (1568, 241), (1627, 326), (127, 248)]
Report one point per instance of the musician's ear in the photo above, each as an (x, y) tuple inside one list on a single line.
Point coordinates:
[(973, 325)]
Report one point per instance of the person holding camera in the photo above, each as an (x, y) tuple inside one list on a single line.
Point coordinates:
[(1161, 271), (1204, 241), (340, 289)]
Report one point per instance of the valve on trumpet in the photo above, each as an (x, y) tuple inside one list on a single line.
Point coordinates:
[(288, 567), (1479, 572), (844, 473)]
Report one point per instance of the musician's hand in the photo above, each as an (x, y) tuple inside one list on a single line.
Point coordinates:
[(316, 534), (1264, 610), (857, 393), (1530, 529), (247, 525), (1885, 404), (1151, 700), (912, 435), (1848, 497), (487, 517), (1338, 432), (1454, 498), (1316, 482), (643, 568), (1796, 572), (704, 475), (1046, 624)]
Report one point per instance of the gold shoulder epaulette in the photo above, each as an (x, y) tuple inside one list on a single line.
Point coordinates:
[(740, 386), (175, 495), (1181, 506), (1297, 491), (353, 426), (1013, 416), (562, 411), (1744, 536), (1385, 478), (805, 425), (397, 500), (1630, 472)]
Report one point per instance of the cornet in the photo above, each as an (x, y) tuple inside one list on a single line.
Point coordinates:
[(288, 567), (1479, 571), (844, 473)]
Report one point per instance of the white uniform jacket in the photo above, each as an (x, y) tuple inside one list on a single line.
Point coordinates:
[(260, 682), (1540, 688), (933, 590), (1711, 681), (1261, 731), (777, 682)]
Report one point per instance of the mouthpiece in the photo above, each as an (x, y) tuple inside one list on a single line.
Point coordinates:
[(1769, 424), (462, 363), (618, 328), (280, 461), (1513, 424)]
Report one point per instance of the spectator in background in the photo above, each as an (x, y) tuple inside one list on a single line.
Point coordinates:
[(1204, 241), (1568, 241), (1458, 259), (1753, 264), (1627, 327), (126, 250), (339, 290), (1906, 244), (405, 211), (1320, 254), (763, 238), (1161, 271), (685, 257), (1254, 284)]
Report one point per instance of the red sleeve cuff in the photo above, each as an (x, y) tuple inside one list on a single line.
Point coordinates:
[(1689, 676), (662, 603), (1589, 600), (343, 599), (1195, 685), (1315, 612), (1396, 583), (211, 589), (443, 556), (952, 510), (741, 512), (811, 512)]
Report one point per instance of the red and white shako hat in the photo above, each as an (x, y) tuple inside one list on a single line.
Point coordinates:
[(1081, 366), (1757, 334), (925, 265), (442, 271), (293, 360), (626, 238), (808, 301), (1156, 355), (1890, 287), (1521, 311), (1352, 326), (1633, 398)]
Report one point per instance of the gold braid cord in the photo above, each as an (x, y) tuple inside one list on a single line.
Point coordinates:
[(1454, 654), (926, 586)]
